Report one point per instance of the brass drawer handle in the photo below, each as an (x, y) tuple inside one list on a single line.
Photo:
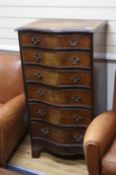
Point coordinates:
[(37, 57), (44, 131), (75, 60), (41, 113), (75, 79), (40, 93), (73, 43), (77, 117), (76, 98), (38, 75), (78, 138), (35, 41)]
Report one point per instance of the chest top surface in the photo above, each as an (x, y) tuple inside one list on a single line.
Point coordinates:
[(64, 25)]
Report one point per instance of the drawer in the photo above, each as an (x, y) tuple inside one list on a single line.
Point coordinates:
[(62, 149), (60, 116), (62, 135), (58, 96), (55, 41), (59, 78), (74, 59)]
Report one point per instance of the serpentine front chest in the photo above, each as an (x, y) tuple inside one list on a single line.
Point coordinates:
[(57, 61)]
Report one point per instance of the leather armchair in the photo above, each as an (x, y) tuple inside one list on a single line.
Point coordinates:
[(13, 122), (100, 143)]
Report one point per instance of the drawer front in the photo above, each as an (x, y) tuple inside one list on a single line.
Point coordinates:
[(55, 41), (59, 96), (61, 135), (62, 149), (57, 59), (59, 116), (58, 78)]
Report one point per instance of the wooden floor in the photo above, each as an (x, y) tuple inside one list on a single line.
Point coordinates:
[(47, 163)]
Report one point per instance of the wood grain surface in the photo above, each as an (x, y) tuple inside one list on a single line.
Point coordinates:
[(47, 163)]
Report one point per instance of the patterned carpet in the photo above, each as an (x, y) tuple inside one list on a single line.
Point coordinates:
[(23, 170)]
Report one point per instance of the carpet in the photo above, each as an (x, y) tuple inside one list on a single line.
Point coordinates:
[(23, 171)]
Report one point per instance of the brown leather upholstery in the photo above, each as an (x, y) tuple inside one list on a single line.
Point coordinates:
[(109, 160), (10, 77), (1, 104), (13, 123), (100, 143)]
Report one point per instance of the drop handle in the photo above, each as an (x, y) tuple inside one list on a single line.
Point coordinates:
[(74, 43), (78, 138), (77, 117), (40, 93), (38, 75), (41, 113), (75, 60), (35, 40), (44, 131), (75, 79), (76, 98), (37, 57)]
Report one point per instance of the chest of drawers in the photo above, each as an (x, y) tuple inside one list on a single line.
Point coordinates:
[(57, 61)]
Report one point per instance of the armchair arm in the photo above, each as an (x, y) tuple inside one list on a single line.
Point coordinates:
[(97, 139), (12, 126), (11, 108)]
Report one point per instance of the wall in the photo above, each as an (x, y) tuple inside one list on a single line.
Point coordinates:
[(14, 13)]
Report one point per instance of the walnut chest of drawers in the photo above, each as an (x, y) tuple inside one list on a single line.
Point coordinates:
[(58, 68)]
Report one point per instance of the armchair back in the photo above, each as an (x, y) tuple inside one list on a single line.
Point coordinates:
[(10, 77), (114, 96)]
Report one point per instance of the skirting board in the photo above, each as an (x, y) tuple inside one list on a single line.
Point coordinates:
[(9, 48)]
